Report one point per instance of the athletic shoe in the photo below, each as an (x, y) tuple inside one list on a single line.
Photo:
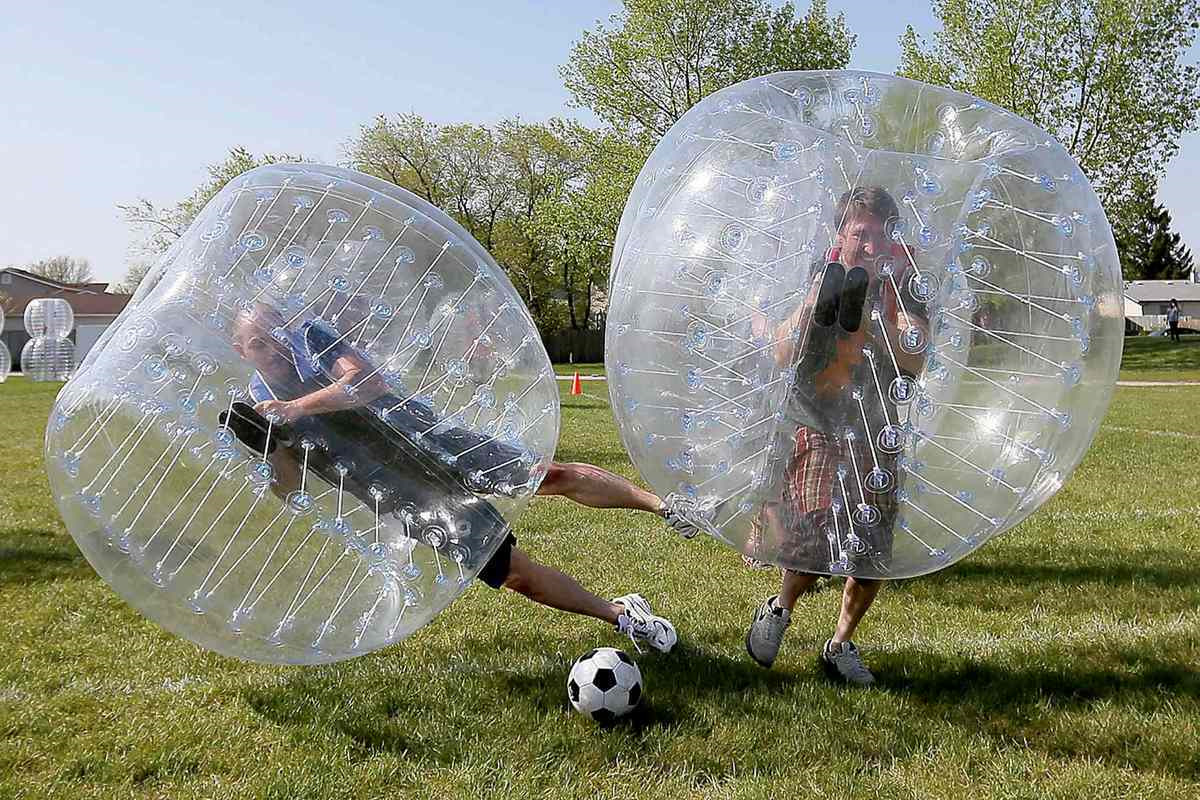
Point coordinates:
[(676, 511), (640, 622), (766, 631), (844, 663)]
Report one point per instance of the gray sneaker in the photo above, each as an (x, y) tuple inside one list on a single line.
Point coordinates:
[(677, 511), (844, 663), (766, 632)]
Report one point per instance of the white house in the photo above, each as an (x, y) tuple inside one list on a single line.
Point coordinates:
[(1146, 301), (94, 307)]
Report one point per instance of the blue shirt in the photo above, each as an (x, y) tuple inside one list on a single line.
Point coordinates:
[(315, 348)]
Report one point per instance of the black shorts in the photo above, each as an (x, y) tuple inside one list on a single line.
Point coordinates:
[(495, 571)]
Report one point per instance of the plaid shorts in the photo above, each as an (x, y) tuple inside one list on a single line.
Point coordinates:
[(798, 524)]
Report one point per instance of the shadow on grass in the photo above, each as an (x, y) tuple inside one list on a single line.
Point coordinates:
[(29, 555), (385, 719), (690, 677), (1159, 569), (1034, 704)]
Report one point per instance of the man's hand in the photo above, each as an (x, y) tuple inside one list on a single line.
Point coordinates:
[(284, 410)]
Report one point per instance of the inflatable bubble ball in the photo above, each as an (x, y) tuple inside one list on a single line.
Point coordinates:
[(296, 445), (48, 358), (5, 356), (858, 324), (49, 316)]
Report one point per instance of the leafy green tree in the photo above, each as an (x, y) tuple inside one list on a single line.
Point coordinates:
[(1150, 250), (1106, 77), (404, 149), (655, 59), (490, 179), (542, 160), (157, 227), (577, 223), (63, 269)]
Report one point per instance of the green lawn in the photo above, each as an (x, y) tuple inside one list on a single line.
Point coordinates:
[(1146, 358), (1060, 661), (1157, 358), (582, 369)]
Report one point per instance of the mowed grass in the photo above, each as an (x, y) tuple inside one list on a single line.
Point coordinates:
[(1062, 660), (1157, 358), (582, 369)]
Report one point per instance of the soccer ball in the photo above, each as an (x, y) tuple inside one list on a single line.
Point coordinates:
[(604, 684)]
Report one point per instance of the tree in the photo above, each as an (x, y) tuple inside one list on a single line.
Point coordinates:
[(490, 179), (158, 227), (657, 58), (1150, 250), (1105, 77), (63, 269), (577, 222), (404, 149)]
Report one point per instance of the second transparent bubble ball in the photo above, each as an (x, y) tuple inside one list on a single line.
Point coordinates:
[(858, 324)]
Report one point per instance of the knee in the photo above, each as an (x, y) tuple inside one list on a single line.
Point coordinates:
[(863, 586), (518, 578)]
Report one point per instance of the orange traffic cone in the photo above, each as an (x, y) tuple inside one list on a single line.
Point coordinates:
[(576, 385)]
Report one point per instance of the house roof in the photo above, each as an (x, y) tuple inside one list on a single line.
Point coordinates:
[(1162, 291), (85, 298)]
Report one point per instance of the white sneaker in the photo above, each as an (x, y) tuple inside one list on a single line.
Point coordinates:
[(766, 632), (677, 511), (844, 663), (640, 622)]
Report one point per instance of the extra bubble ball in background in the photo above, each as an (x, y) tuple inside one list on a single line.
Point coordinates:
[(313, 424), (48, 358), (5, 356), (859, 324), (49, 316), (49, 355)]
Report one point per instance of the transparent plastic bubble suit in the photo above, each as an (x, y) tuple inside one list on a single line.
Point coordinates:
[(859, 324), (5, 356), (48, 358), (286, 449), (49, 316)]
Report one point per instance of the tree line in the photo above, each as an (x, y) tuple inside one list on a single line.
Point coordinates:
[(1107, 78)]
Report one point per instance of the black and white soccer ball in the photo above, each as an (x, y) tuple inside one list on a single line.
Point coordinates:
[(604, 684)]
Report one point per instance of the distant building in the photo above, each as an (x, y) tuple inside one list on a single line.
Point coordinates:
[(1146, 302), (95, 309)]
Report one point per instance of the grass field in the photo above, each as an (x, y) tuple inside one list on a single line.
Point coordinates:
[(1157, 358), (1061, 661)]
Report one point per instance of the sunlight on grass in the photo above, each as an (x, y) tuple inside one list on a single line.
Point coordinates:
[(1062, 660)]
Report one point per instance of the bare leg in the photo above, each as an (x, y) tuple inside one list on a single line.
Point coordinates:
[(591, 486), (287, 472), (552, 588), (857, 598), (793, 585)]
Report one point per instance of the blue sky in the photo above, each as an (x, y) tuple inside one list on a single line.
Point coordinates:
[(103, 103)]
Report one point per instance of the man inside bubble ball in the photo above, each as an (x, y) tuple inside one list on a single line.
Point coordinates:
[(857, 337), (321, 408)]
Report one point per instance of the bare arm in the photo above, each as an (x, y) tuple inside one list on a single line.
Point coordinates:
[(351, 389), (786, 341)]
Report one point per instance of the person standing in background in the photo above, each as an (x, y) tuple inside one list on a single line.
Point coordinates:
[(1173, 319)]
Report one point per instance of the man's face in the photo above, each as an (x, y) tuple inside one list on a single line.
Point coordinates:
[(863, 240), (255, 345)]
